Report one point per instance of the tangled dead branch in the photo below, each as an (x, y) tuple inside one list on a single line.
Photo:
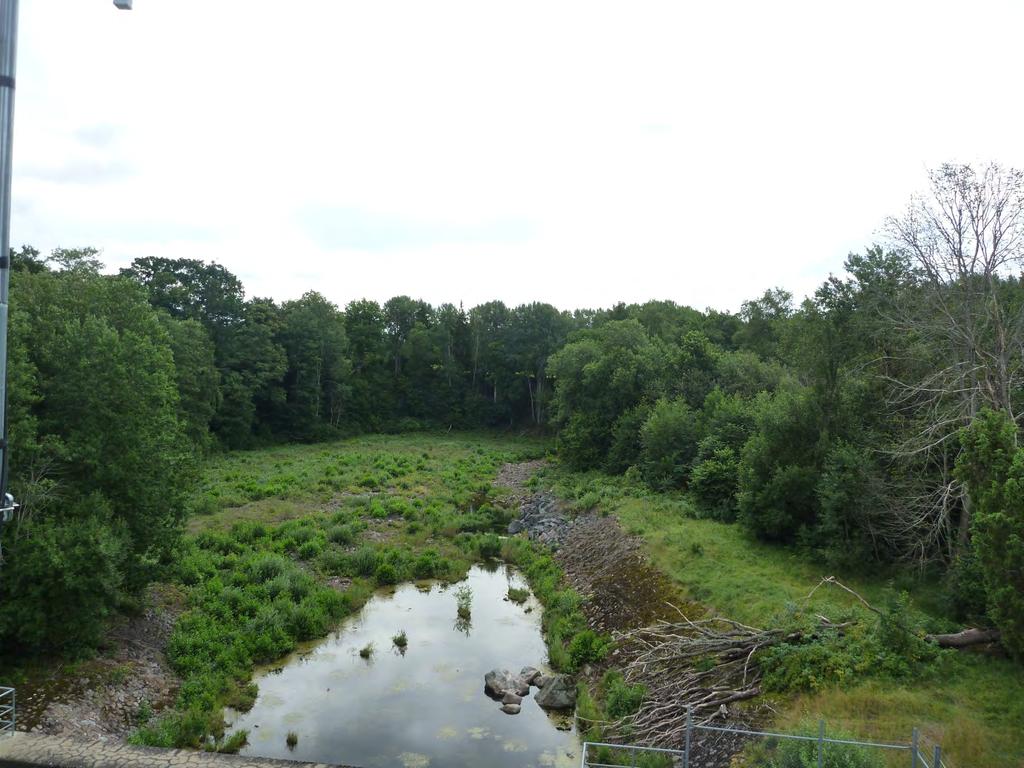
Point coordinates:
[(709, 663), (705, 663)]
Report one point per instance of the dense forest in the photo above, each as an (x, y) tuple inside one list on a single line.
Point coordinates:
[(873, 423)]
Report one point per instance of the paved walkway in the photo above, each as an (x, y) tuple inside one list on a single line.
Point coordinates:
[(27, 750)]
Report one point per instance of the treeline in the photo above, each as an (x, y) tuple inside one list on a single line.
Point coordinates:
[(838, 424), (119, 385), (876, 422)]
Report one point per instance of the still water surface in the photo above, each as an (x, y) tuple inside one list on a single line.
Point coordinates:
[(424, 707)]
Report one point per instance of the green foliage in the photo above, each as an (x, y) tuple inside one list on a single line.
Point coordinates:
[(992, 467), (621, 699), (891, 647), (779, 467), (713, 481), (464, 602), (63, 578), (790, 753), (605, 372), (518, 596), (669, 440), (587, 647)]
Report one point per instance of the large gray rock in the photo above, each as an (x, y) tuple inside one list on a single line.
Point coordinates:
[(498, 682), (559, 692), (529, 675), (511, 698)]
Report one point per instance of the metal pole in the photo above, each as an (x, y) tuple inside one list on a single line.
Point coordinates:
[(913, 749), (821, 743), (689, 734), (937, 761), (8, 62)]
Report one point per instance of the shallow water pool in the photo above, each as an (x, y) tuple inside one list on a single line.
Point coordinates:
[(422, 707)]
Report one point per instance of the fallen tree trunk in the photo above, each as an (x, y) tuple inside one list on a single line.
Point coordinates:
[(965, 638)]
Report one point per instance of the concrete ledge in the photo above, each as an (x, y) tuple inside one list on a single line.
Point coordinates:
[(28, 750)]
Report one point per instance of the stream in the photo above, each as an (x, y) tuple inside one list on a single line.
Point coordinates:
[(424, 706)]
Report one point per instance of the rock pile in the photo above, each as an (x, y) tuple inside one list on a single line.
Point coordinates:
[(541, 517), (556, 691)]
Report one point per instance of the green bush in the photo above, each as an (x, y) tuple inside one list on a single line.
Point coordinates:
[(310, 549), (620, 698), (489, 547), (365, 561), (713, 484), (780, 467), (343, 534), (992, 467), (386, 574), (669, 440), (804, 754), (587, 647), (63, 572)]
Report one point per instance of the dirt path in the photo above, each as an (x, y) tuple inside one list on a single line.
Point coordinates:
[(103, 698)]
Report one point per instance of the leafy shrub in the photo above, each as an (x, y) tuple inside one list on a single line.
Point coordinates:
[(518, 596), (343, 534), (66, 573), (780, 466), (625, 448), (668, 442), (464, 602), (265, 567), (713, 484), (365, 561), (177, 729), (428, 565), (621, 699), (386, 574), (310, 549), (992, 467), (804, 754), (248, 531), (587, 647), (489, 547)]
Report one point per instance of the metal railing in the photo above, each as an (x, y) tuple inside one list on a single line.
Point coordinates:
[(7, 712), (917, 756)]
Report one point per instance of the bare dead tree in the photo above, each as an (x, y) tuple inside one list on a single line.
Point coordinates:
[(965, 237)]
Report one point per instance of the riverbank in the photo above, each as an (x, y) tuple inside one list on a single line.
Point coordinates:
[(969, 702)]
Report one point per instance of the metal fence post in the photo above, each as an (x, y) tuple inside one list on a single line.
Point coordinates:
[(913, 749), (689, 734), (821, 743), (937, 761)]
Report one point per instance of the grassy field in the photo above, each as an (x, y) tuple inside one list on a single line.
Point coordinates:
[(285, 542), (972, 705)]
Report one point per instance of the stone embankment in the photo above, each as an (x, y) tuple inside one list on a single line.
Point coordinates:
[(32, 750)]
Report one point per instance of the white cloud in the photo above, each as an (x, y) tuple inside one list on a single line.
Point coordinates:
[(579, 153)]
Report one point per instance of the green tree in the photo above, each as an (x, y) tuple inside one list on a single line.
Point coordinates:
[(992, 467), (604, 372), (780, 466), (196, 377), (668, 441), (312, 334)]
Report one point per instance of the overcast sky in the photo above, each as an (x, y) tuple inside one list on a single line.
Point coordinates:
[(576, 153)]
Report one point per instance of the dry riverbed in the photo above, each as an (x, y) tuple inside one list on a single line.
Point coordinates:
[(105, 697)]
